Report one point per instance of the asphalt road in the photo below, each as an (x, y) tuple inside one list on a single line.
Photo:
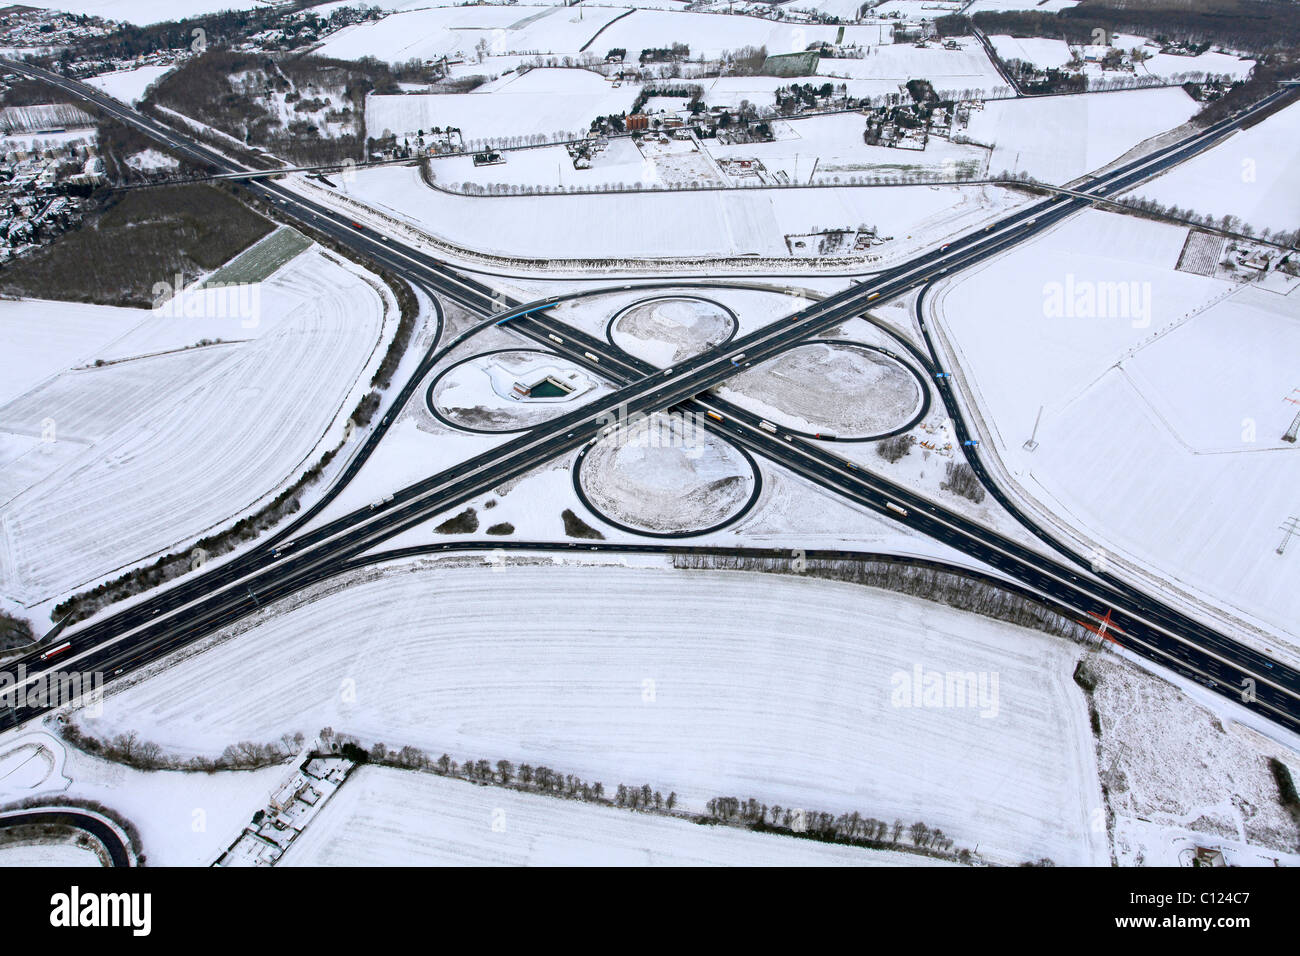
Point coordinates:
[(1146, 626), (106, 835), (227, 590)]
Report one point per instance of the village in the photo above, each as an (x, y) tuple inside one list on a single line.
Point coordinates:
[(49, 164)]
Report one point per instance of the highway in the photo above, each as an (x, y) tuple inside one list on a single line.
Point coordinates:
[(1146, 627), (228, 590)]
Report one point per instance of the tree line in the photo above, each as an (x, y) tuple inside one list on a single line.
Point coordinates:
[(14, 631), (1256, 26), (852, 829), (956, 590), (130, 749)]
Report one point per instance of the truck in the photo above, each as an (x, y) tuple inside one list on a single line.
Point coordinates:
[(554, 338), (898, 509), (590, 356), (736, 359), (55, 651), (767, 426)]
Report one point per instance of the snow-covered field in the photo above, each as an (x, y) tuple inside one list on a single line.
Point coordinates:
[(709, 35), (144, 12), (664, 331), (44, 338), (842, 390), (754, 308), (717, 223), (968, 68), (167, 444), (47, 854), (665, 474), (1160, 434), (1172, 67), (457, 30), (1043, 52), (832, 147), (704, 683), (387, 817), (541, 101), (128, 85), (1249, 176), (620, 163), (845, 10), (1058, 138)]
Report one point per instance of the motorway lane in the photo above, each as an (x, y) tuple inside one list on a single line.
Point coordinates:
[(690, 386), (139, 656), (645, 395), (1227, 665)]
